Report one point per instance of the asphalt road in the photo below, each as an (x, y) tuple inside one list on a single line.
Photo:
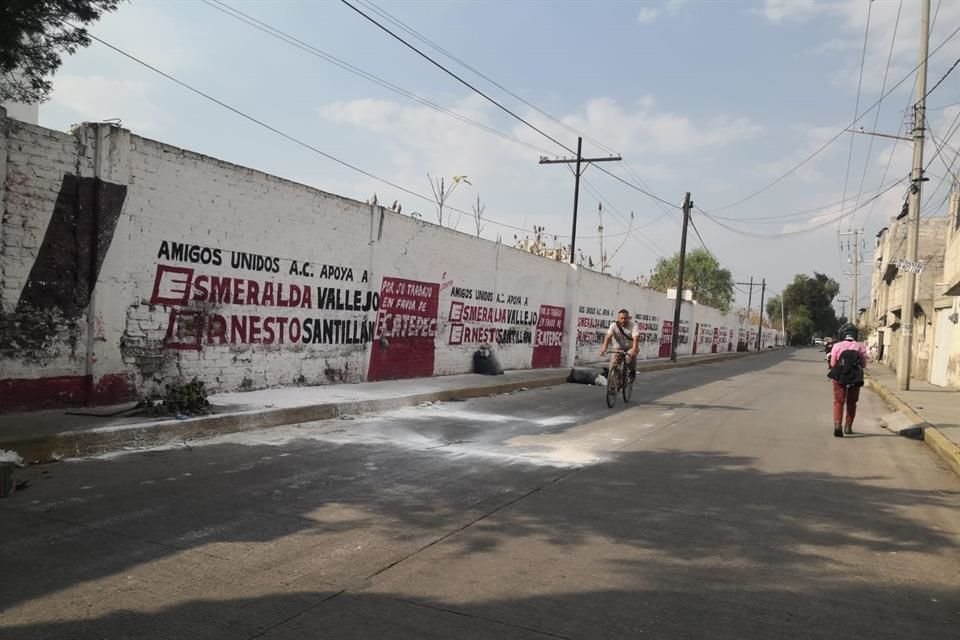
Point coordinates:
[(717, 504)]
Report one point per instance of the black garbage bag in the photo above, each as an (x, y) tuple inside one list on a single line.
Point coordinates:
[(583, 375), (485, 362)]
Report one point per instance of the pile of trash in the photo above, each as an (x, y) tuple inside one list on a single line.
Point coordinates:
[(8, 461), (587, 375)]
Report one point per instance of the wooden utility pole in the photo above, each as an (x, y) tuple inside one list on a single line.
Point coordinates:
[(687, 206), (749, 305), (580, 161), (763, 291)]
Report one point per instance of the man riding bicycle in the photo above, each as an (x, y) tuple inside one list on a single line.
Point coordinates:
[(626, 334)]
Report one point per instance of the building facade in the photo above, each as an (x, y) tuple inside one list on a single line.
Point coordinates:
[(936, 343)]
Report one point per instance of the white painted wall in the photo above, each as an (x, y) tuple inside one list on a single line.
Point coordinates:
[(207, 257)]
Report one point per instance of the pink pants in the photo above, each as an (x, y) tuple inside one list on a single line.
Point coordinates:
[(844, 395)]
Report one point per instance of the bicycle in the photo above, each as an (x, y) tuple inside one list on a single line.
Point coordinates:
[(619, 380)]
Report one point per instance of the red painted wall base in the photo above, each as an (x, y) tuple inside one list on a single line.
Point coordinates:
[(29, 394)]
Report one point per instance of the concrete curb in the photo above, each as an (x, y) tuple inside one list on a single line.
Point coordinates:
[(71, 444), (922, 430)]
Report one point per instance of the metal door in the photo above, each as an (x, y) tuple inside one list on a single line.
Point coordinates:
[(941, 354)]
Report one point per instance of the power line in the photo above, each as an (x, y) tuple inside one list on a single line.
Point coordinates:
[(839, 134), (930, 212), (616, 213), (944, 143), (942, 78), (455, 76), (856, 106), (876, 119), (291, 138), (705, 248), (430, 43), (492, 100), (941, 108), (636, 176), (906, 106), (643, 191), (781, 218), (702, 243), (293, 41), (778, 236), (886, 169)]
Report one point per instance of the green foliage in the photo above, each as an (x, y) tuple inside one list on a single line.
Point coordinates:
[(711, 284), (33, 35), (809, 307), (187, 399)]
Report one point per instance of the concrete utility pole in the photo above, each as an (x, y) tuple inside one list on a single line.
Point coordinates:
[(783, 320), (855, 259), (603, 257), (580, 161), (763, 291), (913, 217), (843, 307), (674, 339)]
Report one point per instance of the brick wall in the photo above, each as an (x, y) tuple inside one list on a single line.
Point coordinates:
[(204, 268)]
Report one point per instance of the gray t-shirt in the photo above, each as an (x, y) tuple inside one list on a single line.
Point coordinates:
[(623, 338)]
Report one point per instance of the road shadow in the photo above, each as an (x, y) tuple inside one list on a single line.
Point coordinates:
[(719, 611), (226, 515), (295, 504)]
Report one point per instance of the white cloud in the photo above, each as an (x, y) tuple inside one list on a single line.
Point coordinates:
[(148, 33), (645, 129), (782, 10), (810, 173), (673, 6), (647, 15), (95, 98), (516, 189), (851, 19)]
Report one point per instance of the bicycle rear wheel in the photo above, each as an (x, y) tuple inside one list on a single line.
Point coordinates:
[(613, 386), (627, 386)]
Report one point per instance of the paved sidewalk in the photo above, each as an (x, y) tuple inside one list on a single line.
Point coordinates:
[(45, 435), (937, 409)]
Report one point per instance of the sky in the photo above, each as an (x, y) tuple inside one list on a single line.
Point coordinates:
[(717, 98)]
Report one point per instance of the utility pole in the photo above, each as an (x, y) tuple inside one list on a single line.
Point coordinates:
[(843, 307), (855, 259), (783, 319), (913, 217), (763, 291), (603, 257), (580, 161), (687, 206), (749, 303)]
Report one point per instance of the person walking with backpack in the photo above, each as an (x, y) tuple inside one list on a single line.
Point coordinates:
[(848, 358)]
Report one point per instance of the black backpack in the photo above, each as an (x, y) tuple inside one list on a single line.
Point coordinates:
[(849, 369)]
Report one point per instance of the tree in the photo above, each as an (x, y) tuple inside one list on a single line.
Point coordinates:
[(800, 326), (33, 35), (773, 310), (442, 193), (478, 210), (809, 307), (711, 284)]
